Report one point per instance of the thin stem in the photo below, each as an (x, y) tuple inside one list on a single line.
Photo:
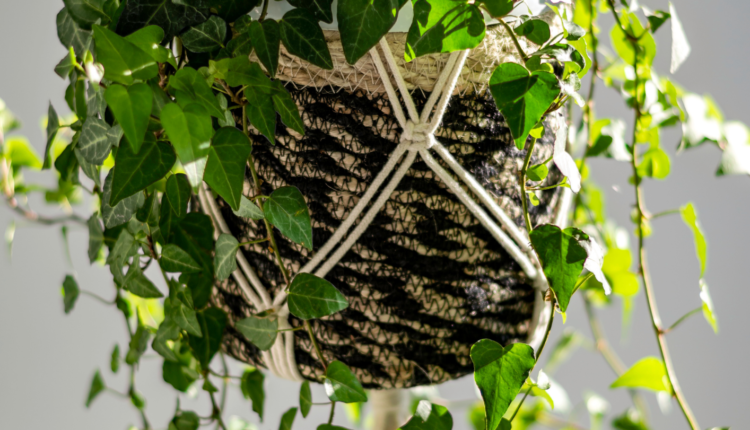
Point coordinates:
[(264, 12), (548, 187), (333, 410), (522, 183), (663, 213), (117, 393), (216, 413), (547, 331), (272, 238), (518, 408), (513, 37), (588, 111), (315, 345), (292, 329), (683, 318), (253, 242), (97, 297)]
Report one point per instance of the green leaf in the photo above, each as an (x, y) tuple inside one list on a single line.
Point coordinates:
[(178, 376), (96, 238), (212, 322), (260, 331), (94, 142), (429, 416), (172, 16), (536, 30), (249, 209), (232, 10), (656, 18), (499, 373), (168, 330), (177, 195), (240, 71), (266, 39), (148, 40), (206, 37), (188, 420), (53, 126), (123, 62), (70, 293), (680, 45), (252, 388), (649, 373), (363, 23), (341, 384), (443, 26), (135, 172), (189, 130), (138, 344), (330, 427), (194, 234), (708, 306), (225, 168), (522, 98), (654, 163), (138, 284), (288, 419), (240, 46), (123, 210), (261, 113), (287, 211), (114, 362), (320, 9), (86, 12), (311, 297), (131, 107), (96, 387), (623, 46), (225, 261), (691, 219), (498, 8), (185, 317), (66, 65), (537, 172), (305, 399), (191, 86), (629, 420), (71, 34), (304, 38), (174, 259), (573, 30), (20, 153), (562, 258), (287, 108), (124, 247)]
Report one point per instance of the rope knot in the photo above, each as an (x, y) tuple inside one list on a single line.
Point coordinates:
[(418, 135)]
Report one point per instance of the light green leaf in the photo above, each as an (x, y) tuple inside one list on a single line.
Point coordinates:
[(148, 39), (537, 172), (260, 331), (185, 317), (562, 258), (123, 62), (225, 260), (134, 172), (287, 108), (311, 297), (536, 30), (680, 45), (623, 46), (225, 169), (93, 143), (261, 113), (304, 38), (138, 344), (189, 85), (206, 37), (649, 373), (443, 26), (429, 416), (114, 361), (305, 399), (708, 306), (131, 107), (266, 39), (70, 293), (288, 419), (53, 126), (499, 374), (363, 23), (174, 259), (654, 163), (252, 388), (342, 385), (189, 130), (123, 210), (125, 246), (690, 218), (330, 427), (249, 209), (498, 8), (71, 35), (168, 330), (287, 211), (96, 387), (96, 238), (212, 322), (20, 153)]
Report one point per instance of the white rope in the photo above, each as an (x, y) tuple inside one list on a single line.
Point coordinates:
[(447, 70), (448, 91), (405, 94), (392, 96)]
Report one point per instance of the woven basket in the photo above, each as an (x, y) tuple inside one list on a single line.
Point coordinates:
[(426, 280)]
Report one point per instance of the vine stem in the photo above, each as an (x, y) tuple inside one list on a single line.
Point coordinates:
[(522, 183), (518, 408), (513, 37)]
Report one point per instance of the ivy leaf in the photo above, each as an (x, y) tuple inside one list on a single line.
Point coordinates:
[(114, 361), (190, 85), (88, 169), (66, 65), (232, 10), (170, 15), (261, 113), (174, 259), (288, 419), (562, 258), (654, 163), (138, 344), (225, 260), (168, 330), (96, 238), (252, 388), (443, 26), (305, 399), (131, 107), (680, 45), (135, 172), (320, 9), (71, 34), (429, 416), (287, 108), (498, 8), (240, 46), (86, 12), (225, 168), (194, 234), (536, 30), (174, 203), (70, 293), (148, 39), (207, 36), (189, 130), (260, 331), (137, 283), (249, 209), (180, 378), (655, 18), (622, 44), (212, 322), (240, 71), (649, 373), (537, 172), (341, 384), (304, 38), (123, 62), (96, 387), (53, 126), (708, 306), (123, 210), (186, 318), (499, 373), (93, 142), (266, 40), (286, 210), (363, 23), (311, 297), (523, 98), (691, 220)]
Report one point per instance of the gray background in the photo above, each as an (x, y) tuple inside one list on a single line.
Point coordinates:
[(47, 358)]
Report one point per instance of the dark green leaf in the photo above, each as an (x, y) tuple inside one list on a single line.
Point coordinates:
[(363, 23), (131, 107), (225, 261), (252, 388), (249, 209), (168, 330), (305, 399), (114, 362), (88, 169), (194, 234), (287, 211), (656, 19), (138, 284), (96, 387), (240, 46), (691, 219), (86, 12), (178, 376), (137, 400), (266, 40), (288, 419), (122, 211), (311, 297), (240, 71), (186, 420), (67, 165), (94, 143), (321, 9), (189, 130), (65, 66), (261, 332), (536, 30), (649, 373), (628, 421), (287, 108), (225, 169), (499, 373), (123, 62), (96, 238), (498, 8), (429, 417), (207, 36), (138, 344), (212, 323), (304, 38), (71, 34), (148, 40), (53, 126), (562, 258), (172, 16), (173, 259), (70, 293), (443, 26), (232, 10), (185, 317), (191, 86), (174, 203), (80, 99), (135, 172), (341, 384), (261, 113), (124, 247)]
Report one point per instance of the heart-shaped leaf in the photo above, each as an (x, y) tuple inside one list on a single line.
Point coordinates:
[(429, 416), (287, 108), (321, 9), (304, 38), (148, 39), (70, 293), (174, 259), (363, 23), (249, 209), (342, 385), (305, 399), (225, 168), (212, 322), (260, 331), (649, 373), (288, 419), (252, 388), (94, 142), (225, 258), (443, 26), (266, 39), (123, 210), (123, 62), (134, 172), (87, 12), (286, 210), (311, 297), (207, 36), (137, 283), (261, 113), (172, 16), (132, 108), (536, 30), (71, 34), (190, 131), (189, 86)]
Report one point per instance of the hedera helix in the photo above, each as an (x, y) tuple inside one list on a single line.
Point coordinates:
[(163, 94)]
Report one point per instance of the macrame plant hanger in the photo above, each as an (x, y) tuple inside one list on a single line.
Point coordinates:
[(417, 138)]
